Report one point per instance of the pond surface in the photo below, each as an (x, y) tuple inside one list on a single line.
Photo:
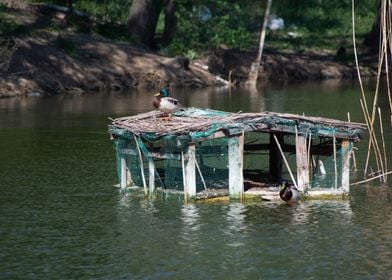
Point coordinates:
[(61, 218)]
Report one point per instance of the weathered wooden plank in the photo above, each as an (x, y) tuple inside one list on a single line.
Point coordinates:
[(236, 163), (302, 163), (151, 175), (345, 150), (123, 181), (190, 171)]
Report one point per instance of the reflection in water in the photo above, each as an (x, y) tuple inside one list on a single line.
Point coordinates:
[(190, 218), (236, 224), (123, 201), (301, 213)]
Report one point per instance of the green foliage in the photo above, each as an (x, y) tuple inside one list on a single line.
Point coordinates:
[(9, 27), (113, 10), (308, 24), (321, 23), (228, 25), (233, 24)]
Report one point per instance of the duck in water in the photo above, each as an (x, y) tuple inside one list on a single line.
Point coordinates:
[(288, 192), (166, 104)]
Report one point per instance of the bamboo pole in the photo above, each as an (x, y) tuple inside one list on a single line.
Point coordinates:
[(388, 83), (383, 143), (374, 108), (354, 158), (310, 162), (371, 144), (355, 50), (201, 174), (309, 146), (382, 56), (369, 121), (371, 179), (285, 161), (352, 150), (141, 165)]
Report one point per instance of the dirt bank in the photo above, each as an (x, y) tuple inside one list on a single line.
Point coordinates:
[(50, 62)]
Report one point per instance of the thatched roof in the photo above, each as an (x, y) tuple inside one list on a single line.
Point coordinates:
[(198, 124)]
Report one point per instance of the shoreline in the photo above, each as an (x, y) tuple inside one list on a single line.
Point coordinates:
[(51, 62)]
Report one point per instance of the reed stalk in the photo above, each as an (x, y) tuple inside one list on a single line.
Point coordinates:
[(201, 174), (370, 119), (141, 164), (370, 144), (352, 150), (371, 179), (309, 146), (383, 143)]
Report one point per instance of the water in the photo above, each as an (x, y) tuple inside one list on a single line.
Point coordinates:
[(60, 217)]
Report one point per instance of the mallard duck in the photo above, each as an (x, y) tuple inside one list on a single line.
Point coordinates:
[(288, 192), (166, 104)]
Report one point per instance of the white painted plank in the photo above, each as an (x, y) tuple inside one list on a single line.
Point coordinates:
[(123, 181), (190, 171), (151, 177), (236, 163), (346, 153), (303, 179)]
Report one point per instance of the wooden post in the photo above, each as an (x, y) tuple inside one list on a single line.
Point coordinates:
[(334, 162), (275, 159), (345, 154), (302, 162), (236, 162), (151, 177), (190, 171), (123, 182)]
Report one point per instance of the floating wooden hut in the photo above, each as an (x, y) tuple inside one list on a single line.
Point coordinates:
[(205, 153)]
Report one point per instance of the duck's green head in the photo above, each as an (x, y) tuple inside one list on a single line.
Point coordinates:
[(164, 92), (283, 184)]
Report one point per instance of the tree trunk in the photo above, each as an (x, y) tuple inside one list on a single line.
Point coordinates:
[(372, 39), (254, 69), (170, 22), (143, 19)]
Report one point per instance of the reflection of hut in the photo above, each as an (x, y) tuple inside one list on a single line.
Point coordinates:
[(205, 153)]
